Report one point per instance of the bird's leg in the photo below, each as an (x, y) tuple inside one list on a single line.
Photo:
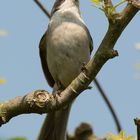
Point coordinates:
[(83, 68), (58, 88)]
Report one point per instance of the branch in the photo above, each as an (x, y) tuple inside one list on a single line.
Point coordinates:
[(110, 106), (108, 2), (137, 123), (41, 102), (135, 3), (42, 8)]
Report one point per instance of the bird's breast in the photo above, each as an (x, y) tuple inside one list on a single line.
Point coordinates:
[(67, 51)]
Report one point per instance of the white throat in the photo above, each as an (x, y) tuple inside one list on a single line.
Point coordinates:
[(68, 10)]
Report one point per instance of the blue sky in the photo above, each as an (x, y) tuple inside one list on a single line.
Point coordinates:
[(24, 24)]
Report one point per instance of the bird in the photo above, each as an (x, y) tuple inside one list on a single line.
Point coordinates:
[(64, 48)]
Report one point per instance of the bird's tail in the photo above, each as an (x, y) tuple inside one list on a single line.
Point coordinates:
[(54, 126)]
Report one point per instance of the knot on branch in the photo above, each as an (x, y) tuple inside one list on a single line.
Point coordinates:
[(43, 101), (113, 53), (40, 99), (107, 54)]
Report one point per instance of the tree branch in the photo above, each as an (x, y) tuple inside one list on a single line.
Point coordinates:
[(109, 3), (41, 102), (137, 123), (117, 122), (42, 8), (135, 3)]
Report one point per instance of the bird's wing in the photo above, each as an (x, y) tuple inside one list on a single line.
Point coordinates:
[(43, 57), (90, 39), (91, 43)]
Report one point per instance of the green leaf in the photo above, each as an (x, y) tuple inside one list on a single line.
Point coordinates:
[(120, 3), (97, 2), (120, 136)]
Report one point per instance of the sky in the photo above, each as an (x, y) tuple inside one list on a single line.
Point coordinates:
[(21, 27)]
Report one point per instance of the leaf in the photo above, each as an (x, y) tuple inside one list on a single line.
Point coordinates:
[(98, 4), (96, 1), (120, 136)]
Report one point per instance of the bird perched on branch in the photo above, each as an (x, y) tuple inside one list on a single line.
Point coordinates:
[(64, 48)]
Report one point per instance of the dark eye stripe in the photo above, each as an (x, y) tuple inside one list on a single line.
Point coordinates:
[(56, 6)]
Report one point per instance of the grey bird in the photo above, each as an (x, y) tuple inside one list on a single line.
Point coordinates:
[(64, 48)]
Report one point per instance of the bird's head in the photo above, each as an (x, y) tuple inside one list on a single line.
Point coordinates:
[(64, 4)]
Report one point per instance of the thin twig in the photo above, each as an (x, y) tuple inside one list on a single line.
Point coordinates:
[(42, 8), (110, 106), (108, 3)]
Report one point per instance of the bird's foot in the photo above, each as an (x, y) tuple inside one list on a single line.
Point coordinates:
[(58, 92), (83, 67)]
